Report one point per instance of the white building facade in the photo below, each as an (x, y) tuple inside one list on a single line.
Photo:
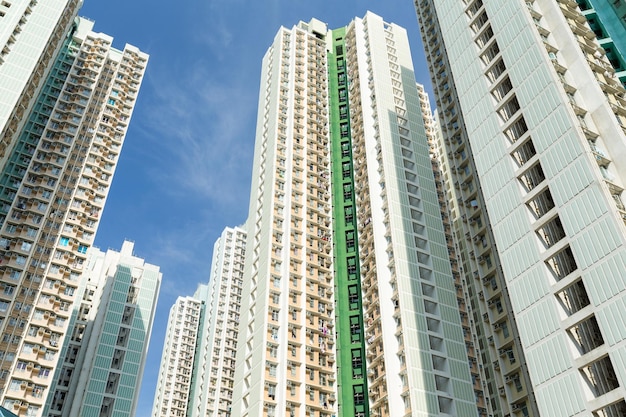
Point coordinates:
[(179, 354), (104, 354), (284, 365), (524, 88), (214, 374)]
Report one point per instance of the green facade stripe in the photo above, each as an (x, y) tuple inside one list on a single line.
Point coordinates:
[(351, 364)]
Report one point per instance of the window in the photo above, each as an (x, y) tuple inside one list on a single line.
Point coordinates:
[(551, 232), (562, 263), (358, 392), (353, 297), (586, 335), (38, 391), (490, 53), (484, 37), (524, 152), (541, 204), (346, 169), (509, 109), (15, 384), (496, 70), (349, 215), (271, 391), (355, 329), (574, 298), (64, 241), (350, 241), (351, 262), (532, 177)]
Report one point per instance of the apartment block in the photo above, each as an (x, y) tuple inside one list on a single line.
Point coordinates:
[(104, 354), (202, 337), (63, 139), (213, 381), (532, 114), (284, 363), (31, 36), (349, 301), (177, 361)]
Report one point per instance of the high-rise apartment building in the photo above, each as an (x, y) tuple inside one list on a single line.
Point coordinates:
[(31, 35), (179, 355), (205, 342), (532, 151), (198, 365), (104, 354), (63, 140), (349, 301), (214, 372)]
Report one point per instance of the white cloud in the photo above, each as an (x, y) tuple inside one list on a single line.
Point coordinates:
[(203, 132)]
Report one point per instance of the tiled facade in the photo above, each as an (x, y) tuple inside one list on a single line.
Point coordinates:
[(532, 117), (105, 350)]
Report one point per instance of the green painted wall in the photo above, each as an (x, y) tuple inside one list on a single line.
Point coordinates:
[(351, 363)]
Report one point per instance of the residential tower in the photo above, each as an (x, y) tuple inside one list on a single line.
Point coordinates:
[(58, 165), (532, 149), (104, 354), (349, 303)]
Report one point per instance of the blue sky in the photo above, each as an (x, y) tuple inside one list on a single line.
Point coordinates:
[(184, 173)]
